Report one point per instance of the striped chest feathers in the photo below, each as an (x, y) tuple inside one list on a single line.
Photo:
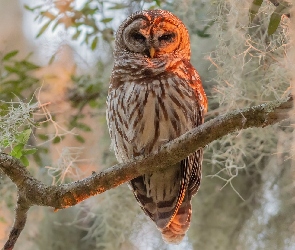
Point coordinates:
[(151, 114)]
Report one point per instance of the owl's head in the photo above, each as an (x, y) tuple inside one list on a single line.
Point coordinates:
[(153, 34)]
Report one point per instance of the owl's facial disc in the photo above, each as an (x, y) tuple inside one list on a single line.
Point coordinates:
[(165, 38), (151, 39), (134, 38)]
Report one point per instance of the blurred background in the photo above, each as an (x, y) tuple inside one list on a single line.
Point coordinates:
[(59, 54)]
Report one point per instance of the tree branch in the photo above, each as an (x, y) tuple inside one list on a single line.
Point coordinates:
[(19, 223), (33, 192)]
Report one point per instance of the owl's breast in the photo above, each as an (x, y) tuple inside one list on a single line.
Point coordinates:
[(143, 116)]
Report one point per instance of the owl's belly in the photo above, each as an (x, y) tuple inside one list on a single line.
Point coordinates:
[(154, 129), (150, 116)]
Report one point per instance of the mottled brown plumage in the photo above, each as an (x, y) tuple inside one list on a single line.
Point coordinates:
[(156, 95)]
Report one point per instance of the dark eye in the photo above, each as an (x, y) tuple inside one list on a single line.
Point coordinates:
[(138, 37), (167, 37)]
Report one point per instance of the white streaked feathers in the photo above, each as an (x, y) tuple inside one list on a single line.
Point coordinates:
[(127, 102)]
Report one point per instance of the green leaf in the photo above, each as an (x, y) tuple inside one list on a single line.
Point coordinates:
[(83, 127), (75, 36), (24, 160), (27, 7), (56, 139), (86, 10), (44, 27), (51, 60), (254, 8), (86, 40), (93, 103), (29, 151), (94, 43), (275, 18), (79, 138), (37, 158), (17, 150), (4, 143), (106, 20), (9, 55), (24, 136), (55, 25), (202, 34), (158, 2), (118, 6), (29, 65), (32, 8), (274, 22), (43, 137), (11, 69)]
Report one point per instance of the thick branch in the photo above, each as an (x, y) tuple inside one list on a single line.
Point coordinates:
[(70, 194), (35, 193)]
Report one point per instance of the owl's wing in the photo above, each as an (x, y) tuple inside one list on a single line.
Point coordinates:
[(195, 162), (180, 222), (196, 84)]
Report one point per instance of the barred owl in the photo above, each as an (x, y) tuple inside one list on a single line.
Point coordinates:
[(155, 95)]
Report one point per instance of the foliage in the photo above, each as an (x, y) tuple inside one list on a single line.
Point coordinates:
[(90, 22), (250, 71), (16, 130), (16, 78), (282, 8)]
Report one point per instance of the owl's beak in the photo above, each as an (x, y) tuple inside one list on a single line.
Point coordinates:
[(152, 52)]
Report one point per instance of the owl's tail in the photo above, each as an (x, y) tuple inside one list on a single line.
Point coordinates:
[(175, 231)]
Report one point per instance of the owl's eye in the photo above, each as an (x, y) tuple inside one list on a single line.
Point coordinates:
[(167, 37), (138, 37)]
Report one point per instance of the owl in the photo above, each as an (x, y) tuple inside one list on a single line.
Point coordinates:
[(156, 95)]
